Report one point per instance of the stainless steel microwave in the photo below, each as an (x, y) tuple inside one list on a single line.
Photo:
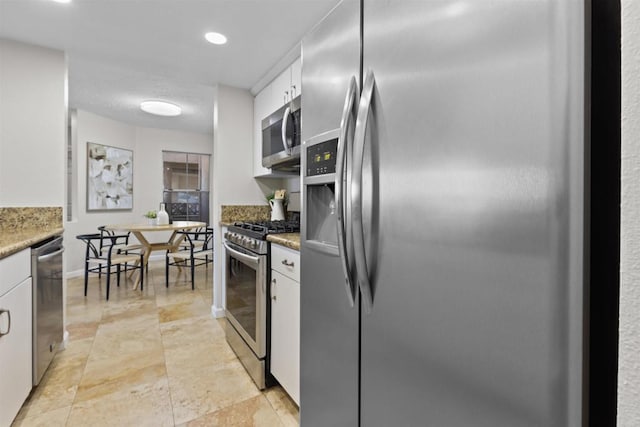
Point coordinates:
[(281, 138)]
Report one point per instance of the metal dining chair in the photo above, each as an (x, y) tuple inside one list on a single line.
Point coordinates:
[(96, 259), (197, 251)]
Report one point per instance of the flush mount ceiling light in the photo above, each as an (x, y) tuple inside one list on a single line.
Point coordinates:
[(62, 1), (215, 38), (161, 108)]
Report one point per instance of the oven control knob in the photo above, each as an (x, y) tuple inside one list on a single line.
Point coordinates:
[(254, 244)]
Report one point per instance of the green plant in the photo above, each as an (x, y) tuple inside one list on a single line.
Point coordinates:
[(270, 196), (150, 214)]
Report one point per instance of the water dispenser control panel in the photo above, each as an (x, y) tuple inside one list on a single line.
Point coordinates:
[(321, 158)]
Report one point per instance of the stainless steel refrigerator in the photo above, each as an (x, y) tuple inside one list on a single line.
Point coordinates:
[(442, 241)]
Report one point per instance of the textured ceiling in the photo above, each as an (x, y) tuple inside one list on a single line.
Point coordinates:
[(121, 52)]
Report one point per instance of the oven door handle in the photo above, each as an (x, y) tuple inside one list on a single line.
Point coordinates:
[(247, 259)]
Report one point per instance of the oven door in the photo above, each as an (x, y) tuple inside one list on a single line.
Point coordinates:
[(246, 299)]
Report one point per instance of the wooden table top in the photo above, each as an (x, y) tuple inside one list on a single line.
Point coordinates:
[(176, 225)]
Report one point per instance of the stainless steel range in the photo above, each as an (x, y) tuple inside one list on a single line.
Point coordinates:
[(247, 265)]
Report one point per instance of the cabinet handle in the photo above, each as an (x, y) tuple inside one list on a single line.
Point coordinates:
[(287, 263), (8, 325), (286, 96), (293, 91), (273, 294)]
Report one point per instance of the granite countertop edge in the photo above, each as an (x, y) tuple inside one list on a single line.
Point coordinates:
[(23, 239), (289, 240)]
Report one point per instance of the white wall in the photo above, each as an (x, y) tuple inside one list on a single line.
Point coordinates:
[(629, 338), (33, 108), (232, 168), (147, 145)]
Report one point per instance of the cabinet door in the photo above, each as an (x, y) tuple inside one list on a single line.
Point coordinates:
[(15, 350), (261, 109), (281, 89), (296, 78), (285, 333)]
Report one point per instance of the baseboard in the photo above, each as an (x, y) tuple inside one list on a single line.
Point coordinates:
[(65, 340), (217, 312)]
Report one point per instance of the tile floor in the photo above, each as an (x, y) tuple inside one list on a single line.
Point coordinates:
[(149, 358)]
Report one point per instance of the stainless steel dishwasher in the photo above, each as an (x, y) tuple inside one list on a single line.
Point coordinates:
[(46, 272)]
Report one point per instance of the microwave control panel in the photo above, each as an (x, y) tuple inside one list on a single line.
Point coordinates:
[(321, 158)]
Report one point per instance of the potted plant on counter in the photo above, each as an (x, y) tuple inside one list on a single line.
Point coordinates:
[(152, 217)]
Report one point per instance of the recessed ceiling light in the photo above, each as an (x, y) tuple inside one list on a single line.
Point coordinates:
[(62, 1), (160, 108), (216, 38)]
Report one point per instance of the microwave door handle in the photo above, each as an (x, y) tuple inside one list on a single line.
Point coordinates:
[(285, 122), (362, 272), (350, 104)]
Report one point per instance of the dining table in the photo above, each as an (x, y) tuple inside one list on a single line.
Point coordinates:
[(142, 229)]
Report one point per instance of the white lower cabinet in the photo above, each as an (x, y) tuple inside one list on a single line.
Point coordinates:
[(15, 336), (285, 320)]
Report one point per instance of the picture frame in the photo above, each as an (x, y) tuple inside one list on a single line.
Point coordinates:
[(109, 178)]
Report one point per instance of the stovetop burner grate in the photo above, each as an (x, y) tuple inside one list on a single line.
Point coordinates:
[(260, 229)]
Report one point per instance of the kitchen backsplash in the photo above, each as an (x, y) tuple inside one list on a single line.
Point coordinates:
[(231, 213), (32, 217)]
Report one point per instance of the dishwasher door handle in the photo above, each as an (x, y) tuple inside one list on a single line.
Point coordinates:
[(51, 255)]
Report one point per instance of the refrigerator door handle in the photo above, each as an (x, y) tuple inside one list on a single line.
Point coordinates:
[(348, 112), (285, 122), (362, 271)]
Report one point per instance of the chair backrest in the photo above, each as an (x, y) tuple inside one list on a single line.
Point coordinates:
[(92, 241), (202, 234), (106, 237)]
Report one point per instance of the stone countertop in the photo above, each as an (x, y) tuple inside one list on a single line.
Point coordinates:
[(289, 240), (17, 240)]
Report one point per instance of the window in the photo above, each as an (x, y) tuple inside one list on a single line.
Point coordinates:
[(186, 185)]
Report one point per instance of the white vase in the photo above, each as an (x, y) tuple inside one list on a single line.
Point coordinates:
[(152, 221), (277, 209), (163, 216)]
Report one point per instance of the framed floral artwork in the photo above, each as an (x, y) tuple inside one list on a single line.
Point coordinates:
[(109, 178)]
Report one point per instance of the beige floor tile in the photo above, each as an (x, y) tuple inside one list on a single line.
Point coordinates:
[(284, 406), (190, 330), (195, 341), (128, 310), (197, 307), (49, 396), (81, 312), (55, 418), (81, 330), (58, 386), (154, 357), (255, 412), (197, 391), (114, 342), (75, 348), (147, 404), (175, 295)]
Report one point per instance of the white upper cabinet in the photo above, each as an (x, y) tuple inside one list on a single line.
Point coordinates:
[(296, 78), (261, 109), (281, 89)]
